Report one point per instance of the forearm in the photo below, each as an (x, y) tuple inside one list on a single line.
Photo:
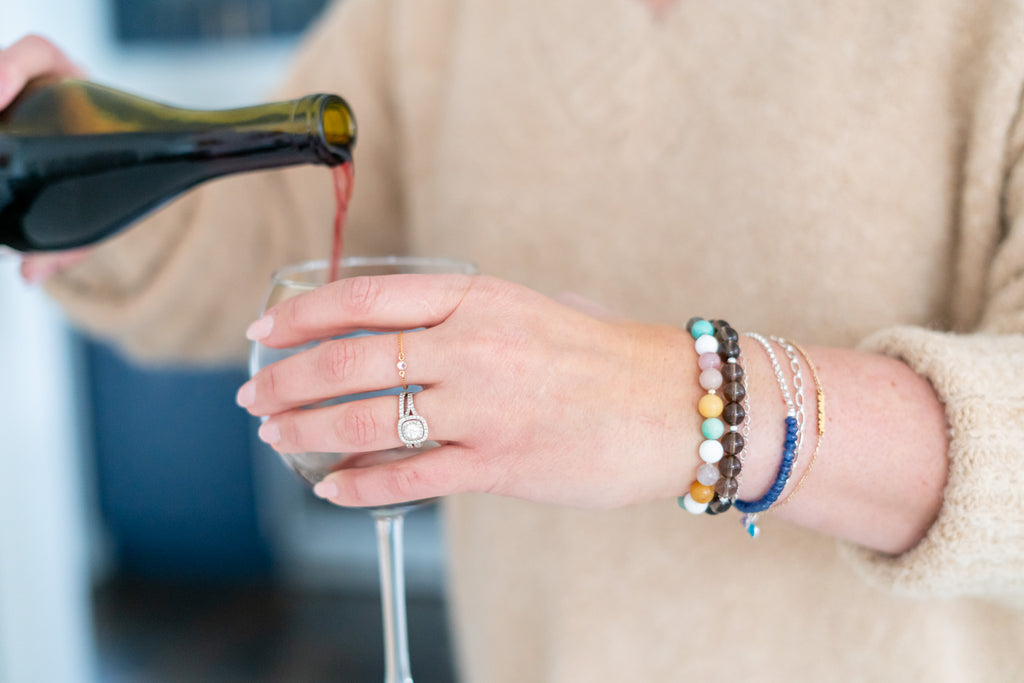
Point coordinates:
[(879, 475)]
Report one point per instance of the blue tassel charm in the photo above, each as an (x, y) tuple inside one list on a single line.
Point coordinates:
[(750, 524)]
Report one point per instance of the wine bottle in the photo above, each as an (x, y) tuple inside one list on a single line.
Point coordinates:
[(80, 161)]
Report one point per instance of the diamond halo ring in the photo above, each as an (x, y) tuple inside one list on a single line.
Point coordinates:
[(412, 427)]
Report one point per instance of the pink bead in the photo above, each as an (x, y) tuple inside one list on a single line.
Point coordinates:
[(707, 474), (709, 361), (710, 379)]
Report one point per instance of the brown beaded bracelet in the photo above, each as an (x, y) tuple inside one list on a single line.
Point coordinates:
[(734, 391)]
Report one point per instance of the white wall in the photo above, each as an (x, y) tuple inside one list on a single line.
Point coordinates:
[(45, 512), (44, 608), (45, 630)]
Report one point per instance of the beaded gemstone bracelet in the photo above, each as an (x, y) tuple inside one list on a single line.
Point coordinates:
[(710, 407), (734, 414), (717, 346)]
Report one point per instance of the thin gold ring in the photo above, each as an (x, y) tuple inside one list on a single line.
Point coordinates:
[(401, 365)]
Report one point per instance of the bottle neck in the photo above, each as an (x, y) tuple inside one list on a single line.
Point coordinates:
[(331, 124), (321, 125)]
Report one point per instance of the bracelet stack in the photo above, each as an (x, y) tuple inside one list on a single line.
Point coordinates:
[(724, 408)]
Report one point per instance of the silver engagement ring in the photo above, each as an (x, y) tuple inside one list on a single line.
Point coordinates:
[(412, 428)]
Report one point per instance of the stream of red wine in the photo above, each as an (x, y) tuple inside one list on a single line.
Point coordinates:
[(344, 178)]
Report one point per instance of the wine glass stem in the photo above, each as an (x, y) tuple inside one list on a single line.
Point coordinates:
[(392, 595)]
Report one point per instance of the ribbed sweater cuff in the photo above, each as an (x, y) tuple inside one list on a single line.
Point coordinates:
[(976, 545)]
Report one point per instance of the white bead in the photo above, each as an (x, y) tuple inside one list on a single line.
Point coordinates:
[(710, 451), (693, 506), (706, 344)]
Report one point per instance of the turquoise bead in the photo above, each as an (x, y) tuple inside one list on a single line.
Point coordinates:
[(702, 327), (712, 428)]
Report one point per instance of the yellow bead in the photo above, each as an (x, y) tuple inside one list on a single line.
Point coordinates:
[(710, 405), (701, 493)]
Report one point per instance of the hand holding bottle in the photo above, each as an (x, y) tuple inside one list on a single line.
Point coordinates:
[(26, 59), (80, 161)]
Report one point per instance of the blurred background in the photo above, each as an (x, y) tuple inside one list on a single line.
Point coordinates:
[(145, 541)]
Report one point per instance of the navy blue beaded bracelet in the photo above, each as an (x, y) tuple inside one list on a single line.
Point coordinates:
[(781, 477), (789, 450)]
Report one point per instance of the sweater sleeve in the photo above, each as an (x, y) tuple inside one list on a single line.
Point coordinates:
[(976, 545), (183, 284)]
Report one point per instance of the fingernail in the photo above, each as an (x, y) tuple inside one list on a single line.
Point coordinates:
[(269, 433), (260, 329), (325, 489), (246, 395)]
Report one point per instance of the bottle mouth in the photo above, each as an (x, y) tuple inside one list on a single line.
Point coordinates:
[(338, 127)]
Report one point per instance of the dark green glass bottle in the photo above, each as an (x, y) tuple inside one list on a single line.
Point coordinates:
[(79, 161)]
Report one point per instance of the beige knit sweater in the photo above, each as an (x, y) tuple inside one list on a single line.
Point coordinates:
[(844, 173)]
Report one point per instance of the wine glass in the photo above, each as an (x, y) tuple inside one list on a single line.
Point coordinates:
[(312, 467)]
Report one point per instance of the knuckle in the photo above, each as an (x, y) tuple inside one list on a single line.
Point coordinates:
[(341, 360), (406, 483), (295, 312), (347, 490), (360, 294), (288, 435), (359, 428), (267, 379), (356, 489)]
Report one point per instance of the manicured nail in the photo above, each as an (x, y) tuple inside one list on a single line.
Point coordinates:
[(269, 433), (246, 395), (326, 489), (260, 329)]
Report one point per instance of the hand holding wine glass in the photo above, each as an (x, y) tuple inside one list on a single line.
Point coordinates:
[(314, 464), (528, 397)]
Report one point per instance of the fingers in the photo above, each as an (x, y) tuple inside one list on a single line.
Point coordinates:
[(29, 57), (38, 268), (374, 302), (334, 368), (337, 368), (357, 426), (441, 471)]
